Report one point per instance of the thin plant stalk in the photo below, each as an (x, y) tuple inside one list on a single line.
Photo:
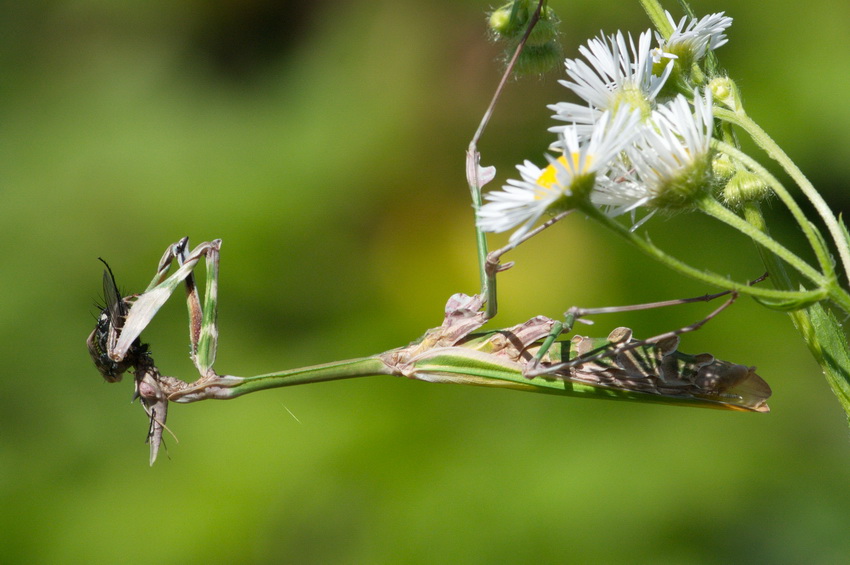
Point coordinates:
[(760, 137), (486, 271)]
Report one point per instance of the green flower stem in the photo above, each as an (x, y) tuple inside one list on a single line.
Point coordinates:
[(742, 120), (779, 276), (779, 189), (706, 276), (657, 16), (713, 208), (834, 290), (821, 332), (349, 369)]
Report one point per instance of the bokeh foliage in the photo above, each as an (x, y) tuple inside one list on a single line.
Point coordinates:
[(323, 142)]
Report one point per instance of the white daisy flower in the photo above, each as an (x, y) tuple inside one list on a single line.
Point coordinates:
[(668, 165), (564, 182), (621, 191), (616, 73), (695, 37)]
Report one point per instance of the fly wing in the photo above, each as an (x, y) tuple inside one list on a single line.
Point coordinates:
[(115, 306)]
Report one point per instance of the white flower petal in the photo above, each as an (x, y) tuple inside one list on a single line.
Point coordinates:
[(523, 202), (616, 71), (698, 36)]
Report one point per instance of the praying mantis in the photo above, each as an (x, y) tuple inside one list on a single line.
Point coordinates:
[(533, 356)]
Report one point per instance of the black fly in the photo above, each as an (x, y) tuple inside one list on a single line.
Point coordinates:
[(106, 332)]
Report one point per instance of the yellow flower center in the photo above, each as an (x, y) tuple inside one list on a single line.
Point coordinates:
[(632, 96), (549, 177)]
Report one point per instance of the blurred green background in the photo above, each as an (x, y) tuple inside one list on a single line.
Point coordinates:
[(323, 141)]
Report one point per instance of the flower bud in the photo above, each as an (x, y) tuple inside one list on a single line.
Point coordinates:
[(501, 23), (546, 30), (744, 187), (541, 51), (725, 93), (723, 167), (538, 59)]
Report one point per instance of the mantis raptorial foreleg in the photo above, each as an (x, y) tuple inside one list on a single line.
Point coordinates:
[(203, 334), (115, 346), (203, 331)]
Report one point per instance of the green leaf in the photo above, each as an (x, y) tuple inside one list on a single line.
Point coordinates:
[(804, 300), (826, 340), (844, 229)]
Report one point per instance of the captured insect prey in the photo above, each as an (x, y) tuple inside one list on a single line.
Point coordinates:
[(105, 334), (101, 343)]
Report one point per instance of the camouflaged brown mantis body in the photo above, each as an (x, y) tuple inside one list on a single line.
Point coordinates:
[(617, 367)]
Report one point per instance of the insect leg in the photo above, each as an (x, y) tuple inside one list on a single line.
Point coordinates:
[(203, 321), (576, 314), (149, 302), (617, 346)]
